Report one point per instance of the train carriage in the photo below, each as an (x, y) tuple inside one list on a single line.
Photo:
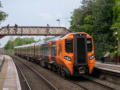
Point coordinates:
[(70, 54)]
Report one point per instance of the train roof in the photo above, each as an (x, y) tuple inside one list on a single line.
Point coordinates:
[(56, 38), (46, 41), (41, 42), (27, 45)]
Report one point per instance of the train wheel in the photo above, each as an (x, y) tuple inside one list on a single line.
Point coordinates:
[(63, 73), (42, 63), (54, 68), (49, 66), (28, 58), (59, 70), (37, 61)]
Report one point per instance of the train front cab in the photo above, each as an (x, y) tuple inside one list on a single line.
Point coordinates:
[(83, 54), (80, 58)]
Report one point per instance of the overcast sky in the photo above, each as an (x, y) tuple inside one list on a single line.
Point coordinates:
[(38, 12)]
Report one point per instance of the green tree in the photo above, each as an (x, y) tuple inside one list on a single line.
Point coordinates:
[(22, 41), (17, 42), (103, 19), (82, 19), (9, 45), (3, 15), (95, 17), (116, 16)]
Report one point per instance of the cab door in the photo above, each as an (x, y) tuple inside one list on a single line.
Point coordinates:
[(80, 49)]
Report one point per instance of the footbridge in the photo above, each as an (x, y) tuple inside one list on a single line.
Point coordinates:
[(32, 31)]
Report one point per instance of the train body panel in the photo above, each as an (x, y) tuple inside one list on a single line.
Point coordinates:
[(72, 53)]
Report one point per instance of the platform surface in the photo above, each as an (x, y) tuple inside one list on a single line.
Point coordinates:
[(108, 67), (9, 79)]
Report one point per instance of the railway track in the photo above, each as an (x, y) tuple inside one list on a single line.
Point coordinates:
[(24, 78), (93, 84), (73, 84), (49, 84), (106, 84), (79, 85), (88, 84)]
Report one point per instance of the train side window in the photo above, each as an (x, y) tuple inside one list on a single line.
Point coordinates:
[(69, 46), (46, 50), (42, 50), (36, 49), (28, 50), (89, 44), (53, 50)]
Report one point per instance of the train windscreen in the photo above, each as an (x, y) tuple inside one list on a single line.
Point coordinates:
[(89, 44), (69, 45)]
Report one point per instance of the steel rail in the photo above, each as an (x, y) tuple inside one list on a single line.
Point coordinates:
[(76, 83), (25, 80), (52, 84), (1, 65), (42, 77), (99, 82)]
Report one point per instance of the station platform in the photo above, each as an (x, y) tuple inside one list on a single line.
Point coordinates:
[(108, 67), (9, 79)]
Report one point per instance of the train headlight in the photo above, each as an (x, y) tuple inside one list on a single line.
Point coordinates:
[(67, 58), (91, 57)]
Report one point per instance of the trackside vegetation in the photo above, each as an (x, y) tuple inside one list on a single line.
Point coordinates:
[(99, 18), (9, 47), (3, 15)]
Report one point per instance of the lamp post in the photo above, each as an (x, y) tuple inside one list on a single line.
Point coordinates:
[(58, 20), (116, 47)]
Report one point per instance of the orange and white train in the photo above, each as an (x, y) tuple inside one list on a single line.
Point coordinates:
[(70, 54)]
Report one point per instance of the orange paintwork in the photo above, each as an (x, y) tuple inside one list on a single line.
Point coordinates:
[(61, 52), (69, 64)]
